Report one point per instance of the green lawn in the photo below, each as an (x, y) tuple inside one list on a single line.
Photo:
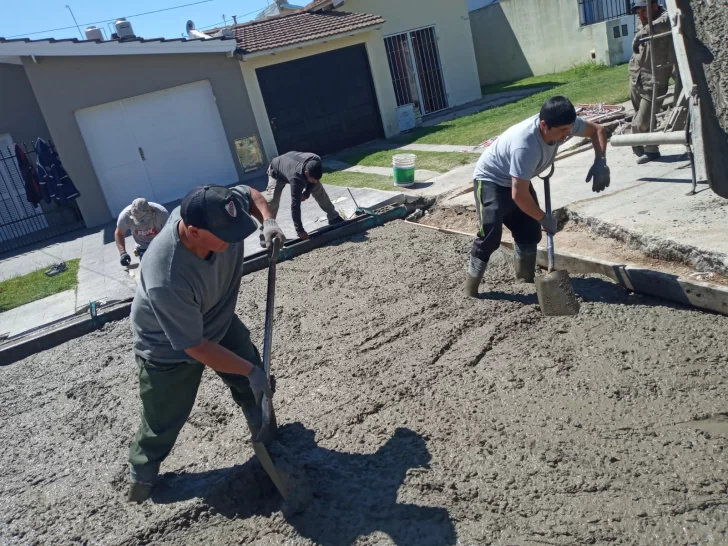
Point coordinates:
[(582, 84), (359, 180), (441, 162), (34, 286)]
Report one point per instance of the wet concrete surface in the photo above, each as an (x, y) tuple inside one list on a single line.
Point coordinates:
[(421, 417)]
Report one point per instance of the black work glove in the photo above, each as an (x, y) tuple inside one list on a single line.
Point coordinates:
[(599, 172), (636, 45), (124, 259)]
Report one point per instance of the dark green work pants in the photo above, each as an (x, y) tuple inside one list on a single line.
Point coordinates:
[(168, 393)]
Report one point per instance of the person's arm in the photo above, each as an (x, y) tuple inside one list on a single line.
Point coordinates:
[(219, 358), (598, 135), (522, 197), (120, 238), (298, 186), (259, 206)]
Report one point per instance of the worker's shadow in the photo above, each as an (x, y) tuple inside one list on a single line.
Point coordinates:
[(355, 494)]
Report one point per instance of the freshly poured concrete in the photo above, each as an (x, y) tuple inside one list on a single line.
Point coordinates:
[(421, 417)]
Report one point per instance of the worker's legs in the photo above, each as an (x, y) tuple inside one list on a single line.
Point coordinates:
[(322, 198), (237, 339), (636, 98), (273, 195), (526, 233), (492, 202), (168, 393), (641, 120)]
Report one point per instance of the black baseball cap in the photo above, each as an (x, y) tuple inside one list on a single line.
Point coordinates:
[(218, 210)]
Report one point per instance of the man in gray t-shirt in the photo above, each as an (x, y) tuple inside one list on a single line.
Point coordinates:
[(503, 191), (145, 220), (183, 319)]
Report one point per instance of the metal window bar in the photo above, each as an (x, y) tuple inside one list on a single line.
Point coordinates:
[(414, 63), (21, 223)]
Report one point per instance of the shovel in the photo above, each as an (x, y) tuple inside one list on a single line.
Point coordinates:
[(555, 293), (269, 427)]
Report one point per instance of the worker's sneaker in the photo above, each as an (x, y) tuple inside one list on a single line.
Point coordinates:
[(649, 156), (139, 492), (639, 151), (336, 220)]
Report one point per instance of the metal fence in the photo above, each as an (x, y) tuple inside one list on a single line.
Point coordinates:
[(22, 223)]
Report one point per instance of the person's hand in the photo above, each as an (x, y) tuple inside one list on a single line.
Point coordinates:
[(599, 172), (303, 197), (549, 223), (259, 384), (124, 259), (271, 231), (636, 45), (303, 235)]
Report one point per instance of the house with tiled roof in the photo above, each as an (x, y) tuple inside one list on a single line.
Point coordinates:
[(132, 117)]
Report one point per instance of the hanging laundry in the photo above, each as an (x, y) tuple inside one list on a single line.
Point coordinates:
[(30, 178), (51, 171)]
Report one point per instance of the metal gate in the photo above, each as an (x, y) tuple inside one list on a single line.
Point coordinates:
[(414, 62), (21, 223)]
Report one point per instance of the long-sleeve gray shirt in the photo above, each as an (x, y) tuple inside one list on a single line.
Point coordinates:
[(290, 169)]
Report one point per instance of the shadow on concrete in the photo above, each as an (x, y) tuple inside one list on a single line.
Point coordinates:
[(354, 494), (525, 299)]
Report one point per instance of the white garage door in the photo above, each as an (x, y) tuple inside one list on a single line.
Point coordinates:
[(157, 145)]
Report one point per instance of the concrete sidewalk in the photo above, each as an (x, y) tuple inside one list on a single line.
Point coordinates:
[(102, 279)]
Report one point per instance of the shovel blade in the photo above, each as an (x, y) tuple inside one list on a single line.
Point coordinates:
[(556, 294)]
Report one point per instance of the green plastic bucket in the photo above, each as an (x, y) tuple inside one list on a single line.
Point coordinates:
[(403, 167)]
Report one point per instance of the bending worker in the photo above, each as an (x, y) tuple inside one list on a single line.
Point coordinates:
[(183, 319), (503, 191), (641, 81), (303, 172), (145, 220)]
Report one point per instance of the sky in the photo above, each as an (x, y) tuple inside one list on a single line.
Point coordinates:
[(24, 18)]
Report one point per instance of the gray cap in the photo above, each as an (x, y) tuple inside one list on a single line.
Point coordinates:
[(140, 209)]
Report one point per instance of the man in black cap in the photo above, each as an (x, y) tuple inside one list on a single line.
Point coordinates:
[(183, 319), (303, 171)]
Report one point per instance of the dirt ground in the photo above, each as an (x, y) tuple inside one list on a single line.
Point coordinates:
[(575, 238), (420, 416)]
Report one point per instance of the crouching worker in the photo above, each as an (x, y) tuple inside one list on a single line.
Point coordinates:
[(183, 319), (503, 191), (303, 173)]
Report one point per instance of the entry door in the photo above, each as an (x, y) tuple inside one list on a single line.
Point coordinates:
[(158, 145), (334, 110), (414, 62)]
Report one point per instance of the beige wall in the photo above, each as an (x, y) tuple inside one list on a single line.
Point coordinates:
[(519, 38), (20, 114), (455, 42), (380, 75), (63, 85)]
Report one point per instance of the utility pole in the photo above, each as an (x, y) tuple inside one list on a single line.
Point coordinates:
[(76, 22)]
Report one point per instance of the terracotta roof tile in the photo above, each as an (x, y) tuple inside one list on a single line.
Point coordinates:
[(299, 27)]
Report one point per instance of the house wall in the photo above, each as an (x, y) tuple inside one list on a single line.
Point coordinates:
[(515, 39), (63, 85), (455, 41), (380, 75), (20, 114)]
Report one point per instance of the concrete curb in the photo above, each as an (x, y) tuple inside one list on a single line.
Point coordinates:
[(701, 295), (54, 335)]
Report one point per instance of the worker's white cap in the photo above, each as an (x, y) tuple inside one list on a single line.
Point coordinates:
[(638, 4), (140, 209)]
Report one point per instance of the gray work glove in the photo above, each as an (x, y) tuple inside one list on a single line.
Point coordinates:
[(549, 223), (124, 259), (600, 173), (259, 384), (272, 231)]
